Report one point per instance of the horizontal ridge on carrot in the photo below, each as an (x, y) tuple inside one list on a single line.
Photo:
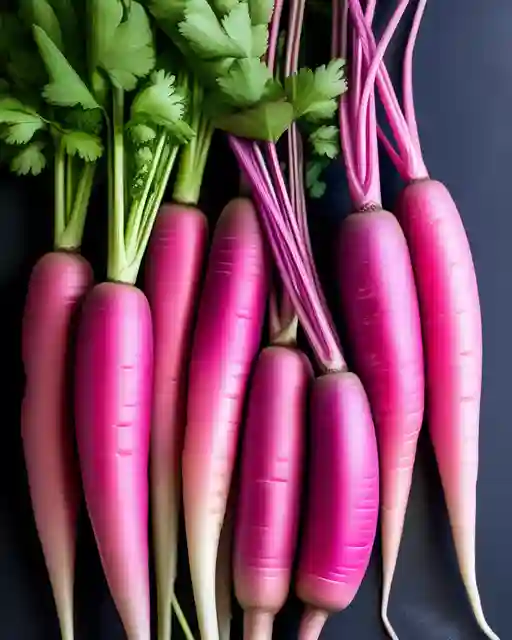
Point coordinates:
[(380, 305), (226, 340), (449, 306), (35, 133)]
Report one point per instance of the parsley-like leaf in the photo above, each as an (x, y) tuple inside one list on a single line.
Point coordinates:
[(261, 11), (90, 120), (325, 141), (41, 12), (161, 104), (30, 160), (85, 145), (141, 133), (224, 6), (129, 54), (205, 35), (313, 93), (245, 82), (314, 169), (66, 88), (266, 121), (259, 40), (237, 24), (23, 121), (168, 13)]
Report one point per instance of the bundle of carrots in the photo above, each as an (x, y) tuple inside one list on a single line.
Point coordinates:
[(173, 379)]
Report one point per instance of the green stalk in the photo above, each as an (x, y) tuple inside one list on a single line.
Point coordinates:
[(116, 249), (69, 186), (135, 218), (194, 155), (154, 204), (60, 193), (71, 238)]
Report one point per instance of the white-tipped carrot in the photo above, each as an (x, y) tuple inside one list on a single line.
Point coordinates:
[(226, 340), (173, 276), (449, 304), (379, 303)]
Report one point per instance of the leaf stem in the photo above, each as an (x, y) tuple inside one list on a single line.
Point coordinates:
[(194, 155), (71, 238), (60, 192), (136, 216), (116, 250)]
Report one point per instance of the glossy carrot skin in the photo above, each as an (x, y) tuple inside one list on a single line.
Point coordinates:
[(452, 329), (56, 288), (226, 341), (341, 521), (270, 487), (381, 311), (114, 366), (174, 267)]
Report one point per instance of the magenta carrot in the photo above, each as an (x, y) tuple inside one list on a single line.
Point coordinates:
[(173, 277), (226, 340), (449, 305), (335, 550), (57, 285), (380, 307), (112, 416), (270, 486), (114, 359)]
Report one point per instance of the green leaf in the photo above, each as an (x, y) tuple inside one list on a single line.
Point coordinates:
[(237, 25), (314, 170), (23, 121), (29, 160), (168, 13), (259, 40), (314, 94), (129, 53), (22, 132), (66, 88), (90, 120), (261, 11), (245, 82), (85, 145), (224, 6), (267, 121), (205, 35), (325, 141), (161, 104), (141, 133), (41, 13), (105, 17)]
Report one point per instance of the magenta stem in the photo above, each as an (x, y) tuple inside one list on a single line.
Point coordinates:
[(408, 92), (411, 158)]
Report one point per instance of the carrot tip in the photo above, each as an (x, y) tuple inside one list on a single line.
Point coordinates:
[(312, 623), (258, 625), (387, 624)]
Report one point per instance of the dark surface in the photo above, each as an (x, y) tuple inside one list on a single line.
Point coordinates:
[(463, 81)]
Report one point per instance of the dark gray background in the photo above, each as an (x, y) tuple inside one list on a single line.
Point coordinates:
[(463, 83)]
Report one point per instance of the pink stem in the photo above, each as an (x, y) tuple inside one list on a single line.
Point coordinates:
[(385, 86), (373, 70), (395, 158), (412, 160), (274, 34), (307, 300), (408, 92)]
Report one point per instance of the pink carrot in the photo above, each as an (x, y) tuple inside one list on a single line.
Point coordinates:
[(270, 486), (343, 500), (114, 368), (449, 305), (57, 285), (226, 340), (380, 307), (173, 276)]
